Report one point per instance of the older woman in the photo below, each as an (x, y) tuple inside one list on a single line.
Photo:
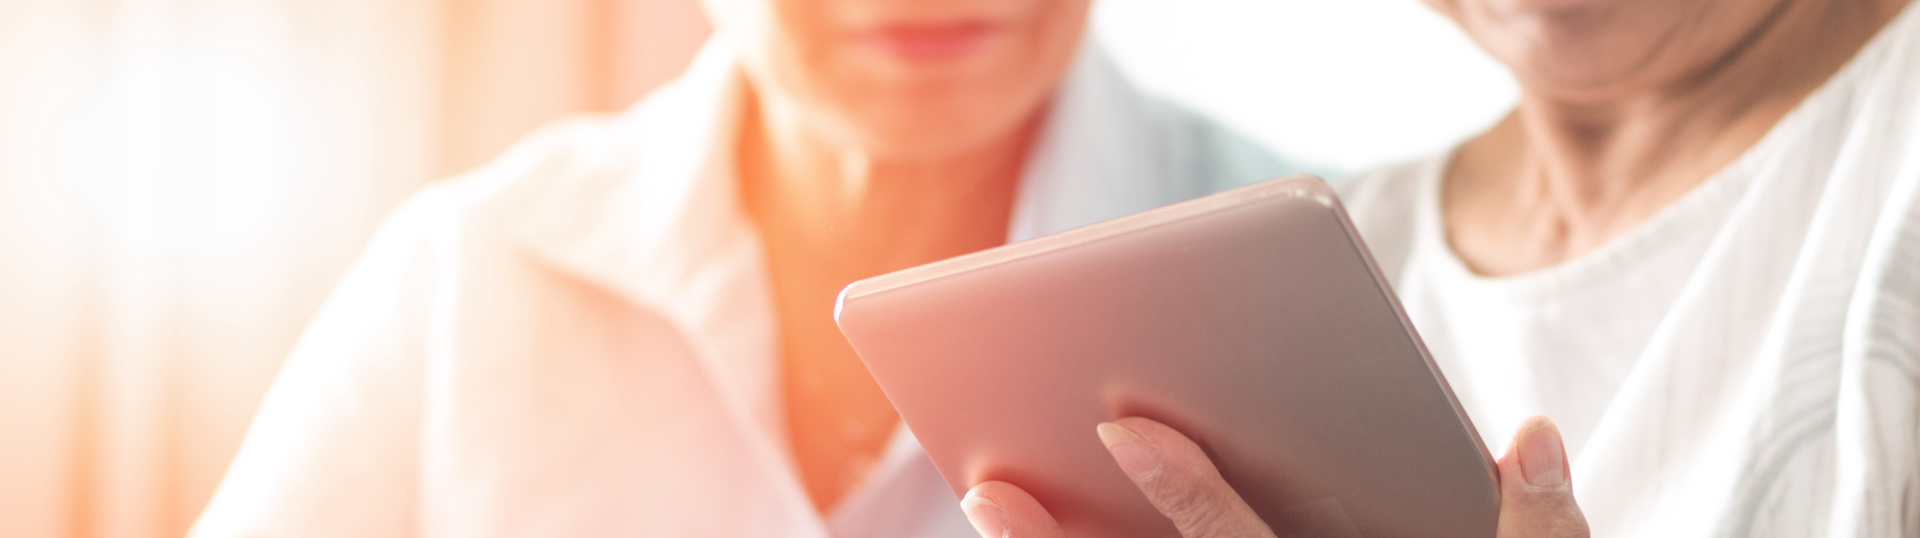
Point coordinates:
[(1695, 243), (623, 327)]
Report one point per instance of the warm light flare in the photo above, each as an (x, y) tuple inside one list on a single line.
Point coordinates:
[(183, 182), (185, 158)]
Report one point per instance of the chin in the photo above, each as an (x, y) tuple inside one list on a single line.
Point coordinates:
[(1575, 53), (1597, 49)]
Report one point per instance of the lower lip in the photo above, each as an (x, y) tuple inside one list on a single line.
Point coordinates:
[(933, 42)]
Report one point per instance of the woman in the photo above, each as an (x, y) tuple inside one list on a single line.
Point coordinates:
[(623, 326), (1694, 243)]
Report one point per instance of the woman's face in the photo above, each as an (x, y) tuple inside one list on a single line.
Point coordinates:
[(907, 78), (1599, 49)]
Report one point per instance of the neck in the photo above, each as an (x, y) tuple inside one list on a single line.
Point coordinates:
[(1568, 174), (829, 213), (828, 191)]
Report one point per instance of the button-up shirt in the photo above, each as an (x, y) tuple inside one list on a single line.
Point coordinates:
[(578, 338)]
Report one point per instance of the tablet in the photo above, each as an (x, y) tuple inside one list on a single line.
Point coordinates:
[(1252, 320)]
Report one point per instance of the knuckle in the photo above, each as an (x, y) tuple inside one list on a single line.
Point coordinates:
[(1178, 502), (1196, 511), (1208, 521)]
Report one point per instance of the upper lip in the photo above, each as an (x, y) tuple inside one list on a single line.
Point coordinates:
[(934, 30)]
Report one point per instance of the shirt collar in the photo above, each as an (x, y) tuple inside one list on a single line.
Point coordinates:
[(658, 220), (653, 226)]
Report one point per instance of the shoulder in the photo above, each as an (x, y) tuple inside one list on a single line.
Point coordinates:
[(1109, 148), (577, 158), (1103, 120), (1214, 155), (1387, 190), (446, 226), (1384, 204), (551, 158)]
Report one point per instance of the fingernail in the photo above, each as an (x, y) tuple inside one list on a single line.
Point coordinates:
[(1542, 459), (1132, 453), (987, 518)]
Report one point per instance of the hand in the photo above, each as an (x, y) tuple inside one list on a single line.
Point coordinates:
[(1536, 495)]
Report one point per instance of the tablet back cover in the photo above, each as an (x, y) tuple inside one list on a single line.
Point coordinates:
[(1251, 320)]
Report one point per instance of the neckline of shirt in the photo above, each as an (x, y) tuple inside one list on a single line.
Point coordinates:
[(1708, 199), (1721, 188)]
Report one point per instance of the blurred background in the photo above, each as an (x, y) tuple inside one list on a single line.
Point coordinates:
[(181, 181)]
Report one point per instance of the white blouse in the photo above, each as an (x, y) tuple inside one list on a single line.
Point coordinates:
[(577, 339), (1745, 363)]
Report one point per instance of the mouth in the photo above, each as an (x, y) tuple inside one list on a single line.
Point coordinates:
[(933, 41)]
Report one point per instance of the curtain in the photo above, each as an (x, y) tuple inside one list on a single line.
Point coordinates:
[(182, 181)]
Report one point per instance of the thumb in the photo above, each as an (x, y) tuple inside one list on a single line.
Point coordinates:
[(1536, 490)]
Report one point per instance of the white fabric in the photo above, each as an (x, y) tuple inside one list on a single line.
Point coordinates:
[(1556, 342), (1746, 363), (577, 339)]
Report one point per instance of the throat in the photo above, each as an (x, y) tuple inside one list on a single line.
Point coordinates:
[(839, 422), (829, 215), (1531, 194)]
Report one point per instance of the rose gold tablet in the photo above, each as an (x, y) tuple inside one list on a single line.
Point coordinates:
[(1251, 320)]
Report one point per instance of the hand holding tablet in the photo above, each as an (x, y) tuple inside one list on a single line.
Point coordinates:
[(1535, 503), (1279, 383)]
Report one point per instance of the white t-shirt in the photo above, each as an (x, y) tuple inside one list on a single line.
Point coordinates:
[(1745, 363), (1559, 341)]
